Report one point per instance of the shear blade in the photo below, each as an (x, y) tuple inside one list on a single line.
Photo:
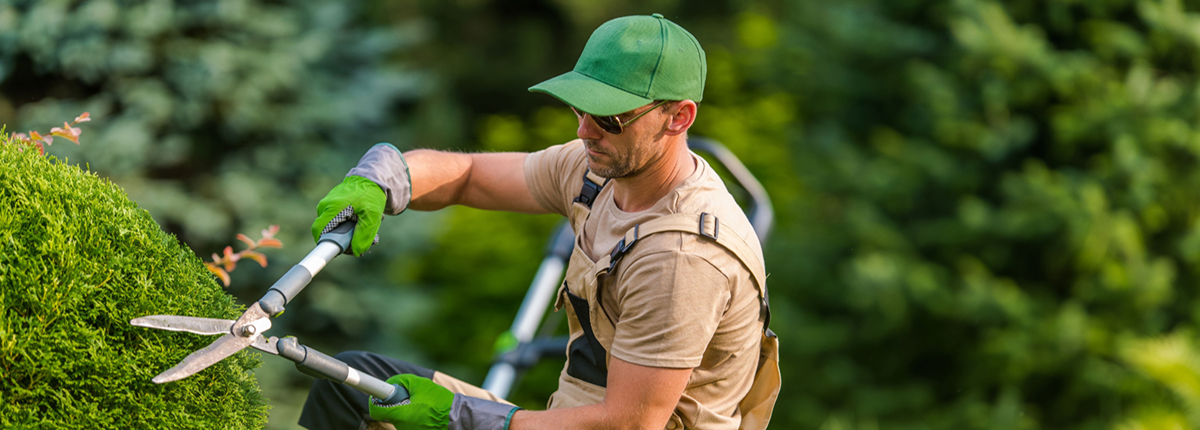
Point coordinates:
[(209, 326), (225, 346)]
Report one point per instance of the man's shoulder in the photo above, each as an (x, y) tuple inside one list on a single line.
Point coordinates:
[(707, 194), (675, 249), (679, 245), (554, 175)]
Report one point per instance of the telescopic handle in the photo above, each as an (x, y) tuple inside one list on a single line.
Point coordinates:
[(761, 214), (287, 287), (318, 365)]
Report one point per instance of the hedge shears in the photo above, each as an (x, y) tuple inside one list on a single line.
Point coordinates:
[(247, 330)]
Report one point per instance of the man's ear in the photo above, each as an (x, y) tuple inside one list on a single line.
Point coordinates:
[(681, 115)]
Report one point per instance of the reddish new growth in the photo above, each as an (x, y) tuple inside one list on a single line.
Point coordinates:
[(223, 264), (41, 141)]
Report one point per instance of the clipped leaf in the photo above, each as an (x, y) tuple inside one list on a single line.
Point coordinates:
[(73, 132), (246, 239), (270, 242), (21, 136), (65, 134), (41, 149), (223, 275), (256, 256), (84, 117), (230, 260), (270, 231)]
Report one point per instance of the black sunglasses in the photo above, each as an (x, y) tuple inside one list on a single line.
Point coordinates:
[(611, 123)]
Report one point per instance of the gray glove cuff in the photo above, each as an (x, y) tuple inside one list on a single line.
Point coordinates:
[(473, 413), (385, 166)]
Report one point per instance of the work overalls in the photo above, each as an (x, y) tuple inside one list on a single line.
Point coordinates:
[(591, 338)]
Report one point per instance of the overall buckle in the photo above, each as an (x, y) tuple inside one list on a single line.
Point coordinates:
[(621, 248), (715, 222)]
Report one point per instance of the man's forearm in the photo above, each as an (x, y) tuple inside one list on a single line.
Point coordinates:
[(438, 178), (493, 181), (588, 417), (637, 397)]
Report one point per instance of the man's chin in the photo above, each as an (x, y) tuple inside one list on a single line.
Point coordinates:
[(606, 171), (599, 170)]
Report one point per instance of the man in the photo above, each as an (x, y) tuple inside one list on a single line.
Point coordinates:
[(665, 292)]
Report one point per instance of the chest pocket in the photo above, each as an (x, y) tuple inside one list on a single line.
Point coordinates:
[(587, 360)]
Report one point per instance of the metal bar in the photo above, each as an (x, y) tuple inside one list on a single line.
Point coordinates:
[(500, 379), (533, 308), (501, 376), (761, 214)]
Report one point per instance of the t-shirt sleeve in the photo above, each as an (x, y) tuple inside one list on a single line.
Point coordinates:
[(555, 175), (671, 304)]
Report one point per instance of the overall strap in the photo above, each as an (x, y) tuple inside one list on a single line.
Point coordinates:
[(704, 224), (591, 189)]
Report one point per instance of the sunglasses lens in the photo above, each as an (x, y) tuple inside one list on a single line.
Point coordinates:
[(608, 123)]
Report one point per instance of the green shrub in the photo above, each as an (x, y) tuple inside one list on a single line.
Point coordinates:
[(78, 260)]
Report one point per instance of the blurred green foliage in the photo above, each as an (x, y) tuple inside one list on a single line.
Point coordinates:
[(985, 210), (986, 214), (78, 260)]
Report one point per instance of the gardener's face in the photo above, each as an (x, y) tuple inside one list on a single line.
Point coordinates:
[(625, 154)]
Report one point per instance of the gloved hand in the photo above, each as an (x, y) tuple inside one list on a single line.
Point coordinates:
[(378, 185), (428, 405), (368, 200), (431, 406)]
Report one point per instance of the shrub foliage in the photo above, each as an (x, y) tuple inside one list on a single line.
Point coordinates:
[(78, 260)]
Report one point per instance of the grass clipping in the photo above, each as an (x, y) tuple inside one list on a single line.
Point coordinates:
[(78, 260)]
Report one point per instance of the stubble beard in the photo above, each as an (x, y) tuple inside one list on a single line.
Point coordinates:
[(622, 164)]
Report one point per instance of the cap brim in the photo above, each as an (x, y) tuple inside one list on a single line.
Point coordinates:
[(590, 95)]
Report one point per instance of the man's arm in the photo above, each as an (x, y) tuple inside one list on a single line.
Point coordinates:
[(493, 181), (637, 397), (479, 180)]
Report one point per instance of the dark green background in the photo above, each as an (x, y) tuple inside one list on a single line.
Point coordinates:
[(986, 210)]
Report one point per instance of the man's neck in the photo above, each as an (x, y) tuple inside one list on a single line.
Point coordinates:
[(640, 192)]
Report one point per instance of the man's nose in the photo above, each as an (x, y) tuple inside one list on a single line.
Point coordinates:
[(588, 129)]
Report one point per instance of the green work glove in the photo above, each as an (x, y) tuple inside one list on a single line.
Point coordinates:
[(431, 406), (368, 200), (428, 405)]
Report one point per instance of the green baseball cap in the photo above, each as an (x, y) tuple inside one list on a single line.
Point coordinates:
[(630, 62)]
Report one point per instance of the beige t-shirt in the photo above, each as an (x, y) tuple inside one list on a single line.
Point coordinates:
[(677, 300)]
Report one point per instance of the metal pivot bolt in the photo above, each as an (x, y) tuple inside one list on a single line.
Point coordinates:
[(249, 330)]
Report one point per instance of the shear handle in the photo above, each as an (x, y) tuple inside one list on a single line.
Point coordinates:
[(318, 365), (287, 287)]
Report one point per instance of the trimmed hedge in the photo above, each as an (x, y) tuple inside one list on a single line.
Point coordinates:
[(78, 260)]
